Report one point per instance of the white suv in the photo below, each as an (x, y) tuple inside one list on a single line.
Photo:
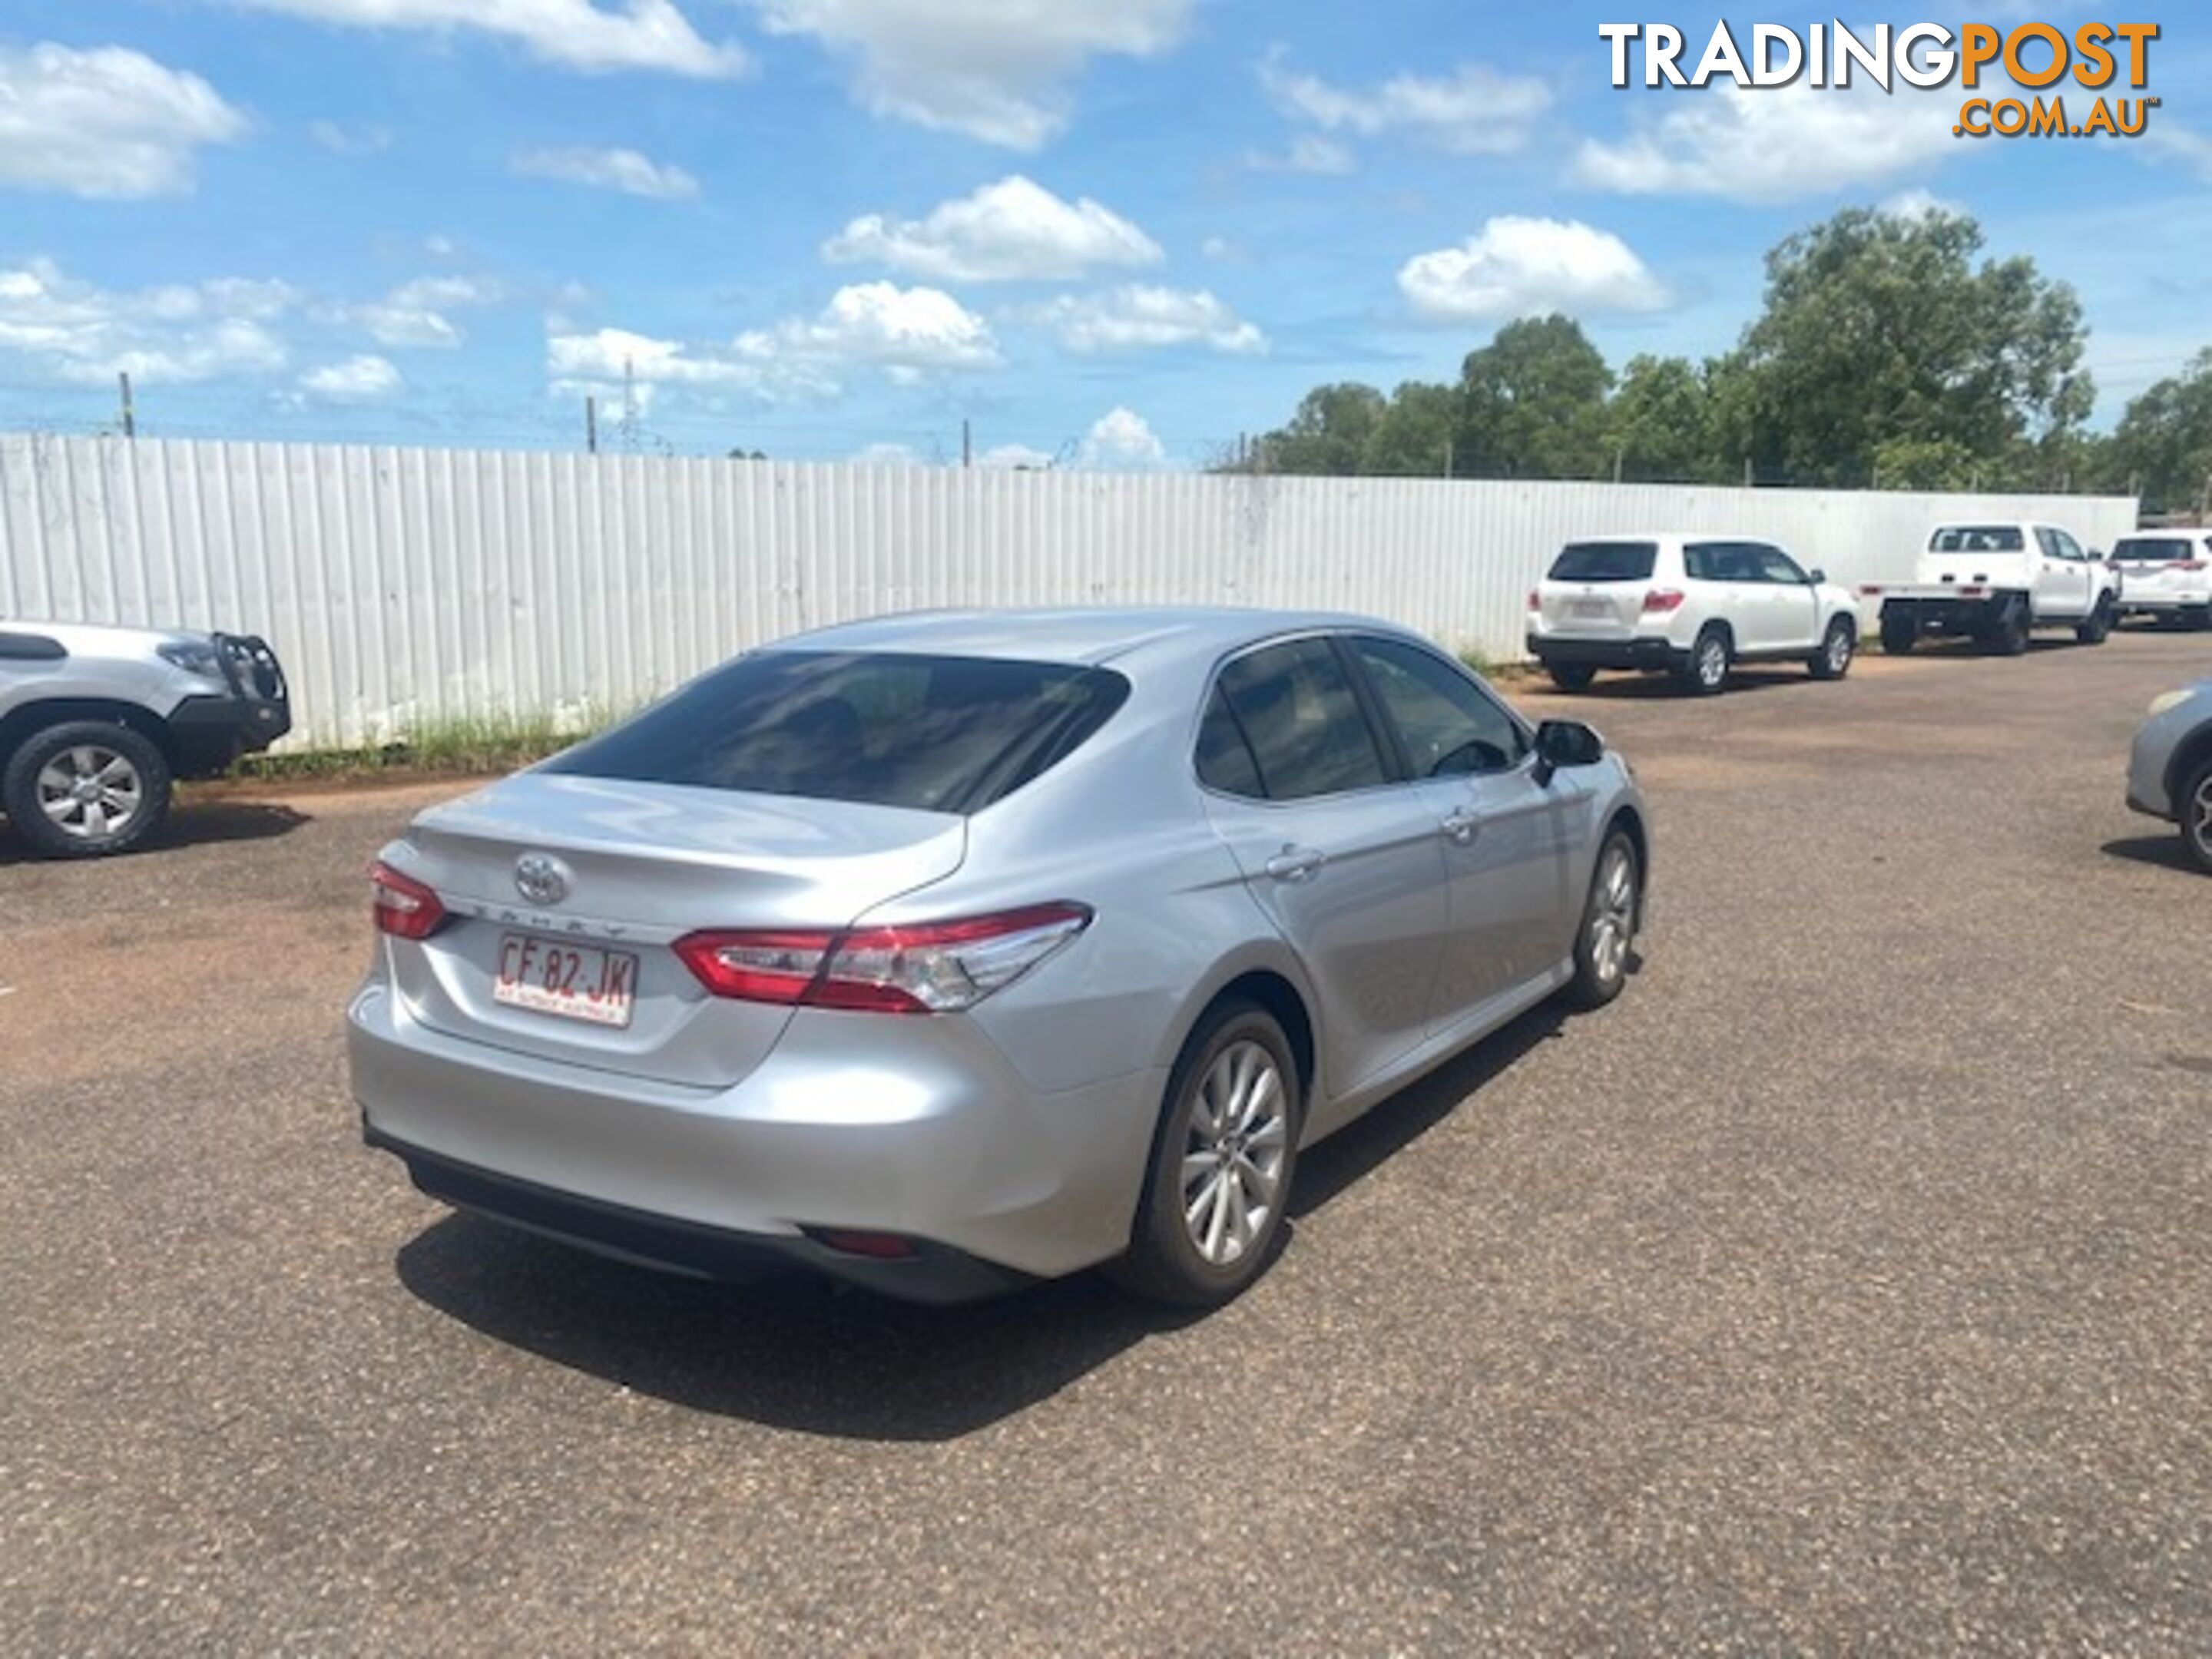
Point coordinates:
[(2168, 575), (1692, 607)]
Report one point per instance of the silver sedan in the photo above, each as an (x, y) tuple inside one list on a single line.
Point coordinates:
[(946, 951), (2169, 769)]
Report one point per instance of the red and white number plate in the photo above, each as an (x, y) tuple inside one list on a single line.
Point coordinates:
[(572, 982)]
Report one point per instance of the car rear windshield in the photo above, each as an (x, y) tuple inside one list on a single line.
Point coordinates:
[(1605, 561), (942, 734), (2146, 550), (1978, 539)]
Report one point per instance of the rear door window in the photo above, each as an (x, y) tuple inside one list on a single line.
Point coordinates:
[(1721, 562), (1303, 724), (1978, 539), (1606, 561), (943, 734)]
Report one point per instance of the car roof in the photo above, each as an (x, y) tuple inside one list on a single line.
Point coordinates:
[(1675, 538), (1090, 635)]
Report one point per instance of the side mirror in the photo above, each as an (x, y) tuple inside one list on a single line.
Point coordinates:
[(1562, 744), (1817, 577)]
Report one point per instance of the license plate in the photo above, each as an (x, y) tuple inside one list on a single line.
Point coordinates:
[(1591, 608), (570, 981)]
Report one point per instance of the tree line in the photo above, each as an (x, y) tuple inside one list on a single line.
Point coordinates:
[(1885, 356)]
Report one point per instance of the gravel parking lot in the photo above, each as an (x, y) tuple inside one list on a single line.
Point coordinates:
[(1847, 1286)]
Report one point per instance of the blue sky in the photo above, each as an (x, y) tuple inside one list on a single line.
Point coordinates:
[(1113, 232)]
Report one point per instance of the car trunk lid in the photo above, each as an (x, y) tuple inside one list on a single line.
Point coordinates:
[(617, 872)]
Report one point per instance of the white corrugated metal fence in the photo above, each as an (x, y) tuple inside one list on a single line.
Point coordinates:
[(401, 586)]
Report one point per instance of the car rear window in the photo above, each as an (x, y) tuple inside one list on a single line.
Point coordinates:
[(2149, 550), (1605, 561), (1978, 539), (942, 734)]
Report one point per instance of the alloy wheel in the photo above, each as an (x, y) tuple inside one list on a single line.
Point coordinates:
[(1234, 1154), (91, 793), (2200, 818), (1612, 915)]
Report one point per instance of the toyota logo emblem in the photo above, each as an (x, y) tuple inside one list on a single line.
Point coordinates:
[(541, 880)]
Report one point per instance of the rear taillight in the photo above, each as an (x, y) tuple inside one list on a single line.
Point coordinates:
[(1871, 590), (403, 906), (2186, 564), (1535, 600), (1662, 600), (932, 968)]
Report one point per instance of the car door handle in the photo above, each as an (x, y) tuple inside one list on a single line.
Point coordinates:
[(1296, 864), (1461, 828)]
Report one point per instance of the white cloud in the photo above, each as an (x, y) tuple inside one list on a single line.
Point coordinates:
[(580, 34), (56, 329), (1474, 111), (2164, 141), (1918, 204), (908, 333), (349, 141), (624, 170), (1014, 230), (1138, 315), (413, 316), (356, 380), (1121, 441), (1309, 153), (1015, 458), (614, 357), (1515, 266), (993, 69), (1770, 145), (108, 123), (909, 329), (887, 455), (1222, 251)]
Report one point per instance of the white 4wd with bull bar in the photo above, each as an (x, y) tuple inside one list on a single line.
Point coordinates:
[(1692, 607), (96, 723), (1994, 583)]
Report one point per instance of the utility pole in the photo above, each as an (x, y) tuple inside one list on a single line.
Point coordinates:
[(1619, 460), (1749, 480), (1448, 456), (967, 446), (130, 414), (591, 426), (629, 404)]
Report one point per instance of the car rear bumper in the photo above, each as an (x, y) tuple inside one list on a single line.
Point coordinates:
[(2164, 604), (932, 1273), (1551, 649), (918, 1128)]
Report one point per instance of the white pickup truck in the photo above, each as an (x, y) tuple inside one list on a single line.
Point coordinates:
[(1994, 582)]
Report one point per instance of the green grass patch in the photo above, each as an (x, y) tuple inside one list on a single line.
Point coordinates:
[(467, 745)]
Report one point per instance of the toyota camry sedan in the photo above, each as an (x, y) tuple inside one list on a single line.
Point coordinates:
[(944, 953)]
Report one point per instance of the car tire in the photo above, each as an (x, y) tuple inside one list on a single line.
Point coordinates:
[(86, 789), (1837, 646), (2199, 619), (1607, 937), (2008, 635), (1571, 676), (2098, 627), (2193, 806), (1227, 1136), (1899, 634), (1706, 673)]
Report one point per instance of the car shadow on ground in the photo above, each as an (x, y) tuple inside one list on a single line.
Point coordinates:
[(1665, 688), (191, 823), (2164, 851), (790, 1351)]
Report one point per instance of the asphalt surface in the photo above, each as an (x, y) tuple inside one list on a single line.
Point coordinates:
[(1846, 1286)]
